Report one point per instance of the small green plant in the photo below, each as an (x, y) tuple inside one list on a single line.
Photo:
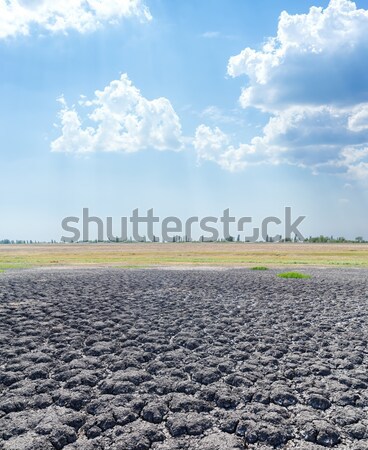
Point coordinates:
[(259, 268), (293, 275)]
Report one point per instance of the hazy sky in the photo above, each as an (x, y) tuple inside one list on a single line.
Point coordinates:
[(188, 107)]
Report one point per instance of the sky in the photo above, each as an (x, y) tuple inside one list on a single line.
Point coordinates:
[(186, 107)]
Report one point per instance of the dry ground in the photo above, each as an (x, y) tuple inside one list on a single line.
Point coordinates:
[(107, 359)]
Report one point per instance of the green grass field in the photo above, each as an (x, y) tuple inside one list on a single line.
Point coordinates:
[(185, 254)]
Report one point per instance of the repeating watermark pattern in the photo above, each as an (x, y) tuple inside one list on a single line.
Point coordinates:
[(174, 229)]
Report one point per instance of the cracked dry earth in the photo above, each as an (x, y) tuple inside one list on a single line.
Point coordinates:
[(166, 360)]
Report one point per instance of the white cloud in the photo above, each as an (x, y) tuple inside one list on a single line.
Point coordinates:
[(18, 17), (119, 119), (310, 136), (209, 142), (311, 80), (316, 137), (217, 35), (358, 121), (316, 58), (211, 34), (359, 171), (212, 144), (217, 115)]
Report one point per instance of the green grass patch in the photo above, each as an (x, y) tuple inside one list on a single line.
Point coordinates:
[(259, 268), (293, 275)]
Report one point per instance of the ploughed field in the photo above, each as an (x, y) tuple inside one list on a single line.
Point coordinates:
[(166, 360)]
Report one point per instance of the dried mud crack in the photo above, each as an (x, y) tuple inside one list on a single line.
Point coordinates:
[(165, 360)]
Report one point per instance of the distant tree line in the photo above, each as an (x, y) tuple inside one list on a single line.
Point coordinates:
[(20, 241), (330, 239), (178, 239)]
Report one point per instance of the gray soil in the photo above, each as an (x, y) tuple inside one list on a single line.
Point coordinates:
[(166, 360)]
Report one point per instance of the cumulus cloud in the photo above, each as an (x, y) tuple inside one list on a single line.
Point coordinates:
[(17, 17), (316, 58), (311, 80), (310, 136), (209, 142), (320, 138), (358, 121), (118, 119), (212, 144)]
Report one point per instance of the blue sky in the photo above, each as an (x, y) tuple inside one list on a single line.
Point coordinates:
[(193, 114)]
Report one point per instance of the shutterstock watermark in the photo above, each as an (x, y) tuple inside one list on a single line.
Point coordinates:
[(173, 229)]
